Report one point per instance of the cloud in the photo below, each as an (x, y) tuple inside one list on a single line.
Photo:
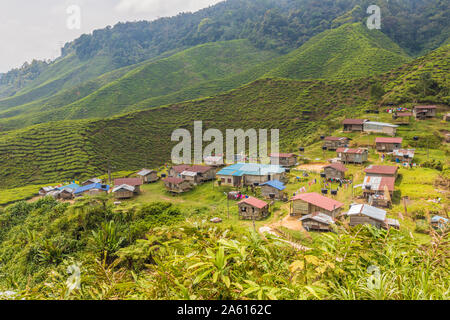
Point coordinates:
[(163, 7)]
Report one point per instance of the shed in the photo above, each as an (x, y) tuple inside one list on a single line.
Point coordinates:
[(403, 155), (388, 144), (424, 112), (177, 185), (332, 143), (66, 194), (45, 190), (253, 209), (380, 127), (307, 203), (283, 159), (317, 221), (348, 155), (354, 124), (335, 171), (123, 191), (366, 214), (274, 187), (148, 176)]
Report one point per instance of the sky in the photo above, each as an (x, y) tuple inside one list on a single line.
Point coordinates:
[(38, 29)]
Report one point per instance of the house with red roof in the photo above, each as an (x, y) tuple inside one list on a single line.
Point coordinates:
[(195, 173), (253, 209), (382, 171), (388, 144), (308, 203), (134, 182), (424, 112), (335, 171), (354, 125), (177, 185), (350, 155), (283, 159), (332, 143)]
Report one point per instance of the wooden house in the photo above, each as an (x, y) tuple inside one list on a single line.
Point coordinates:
[(283, 159), (91, 190), (247, 174), (348, 155), (366, 214), (388, 144), (353, 125), (403, 155), (335, 171), (175, 171), (191, 177), (148, 176), (307, 203), (204, 173), (45, 190), (66, 194), (402, 118), (380, 127), (123, 191), (253, 209), (333, 143), (381, 171), (424, 112), (134, 182), (273, 189), (177, 185), (91, 181), (378, 190), (317, 221)]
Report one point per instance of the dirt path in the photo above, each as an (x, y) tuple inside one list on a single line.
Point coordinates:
[(312, 167)]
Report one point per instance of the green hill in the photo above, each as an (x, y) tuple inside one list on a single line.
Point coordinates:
[(62, 150), (349, 51)]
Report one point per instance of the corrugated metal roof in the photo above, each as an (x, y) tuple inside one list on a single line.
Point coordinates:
[(349, 150), (338, 166), (99, 186), (254, 202), (275, 184), (403, 152), (189, 173), (173, 180), (370, 211), (354, 121), (388, 140), (381, 169), (70, 186), (254, 169), (93, 180), (124, 186), (319, 200), (381, 124), (377, 183), (128, 181), (319, 217), (145, 172)]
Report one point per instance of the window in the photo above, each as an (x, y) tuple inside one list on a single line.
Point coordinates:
[(229, 180), (222, 179)]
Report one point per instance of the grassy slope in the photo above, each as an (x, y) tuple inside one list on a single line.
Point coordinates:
[(346, 52)]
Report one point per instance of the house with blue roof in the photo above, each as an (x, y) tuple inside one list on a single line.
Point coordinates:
[(247, 174), (72, 186), (273, 189), (91, 189)]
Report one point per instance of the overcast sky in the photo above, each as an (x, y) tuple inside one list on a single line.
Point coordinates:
[(37, 29)]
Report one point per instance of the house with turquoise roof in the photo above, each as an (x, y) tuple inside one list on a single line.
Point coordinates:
[(247, 174)]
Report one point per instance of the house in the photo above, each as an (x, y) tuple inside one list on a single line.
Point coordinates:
[(134, 182), (402, 118), (45, 190), (403, 155), (253, 209), (176, 171), (66, 193), (332, 143), (366, 214), (334, 171), (123, 191), (246, 174), (380, 127), (424, 112), (204, 173), (307, 203), (438, 222), (354, 124), (190, 176), (54, 194), (214, 161), (317, 221), (378, 190), (273, 187), (383, 171), (177, 185), (283, 159), (91, 181), (348, 155), (91, 189), (148, 176), (388, 144), (73, 186)]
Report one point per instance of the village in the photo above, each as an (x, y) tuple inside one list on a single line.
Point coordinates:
[(355, 185)]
